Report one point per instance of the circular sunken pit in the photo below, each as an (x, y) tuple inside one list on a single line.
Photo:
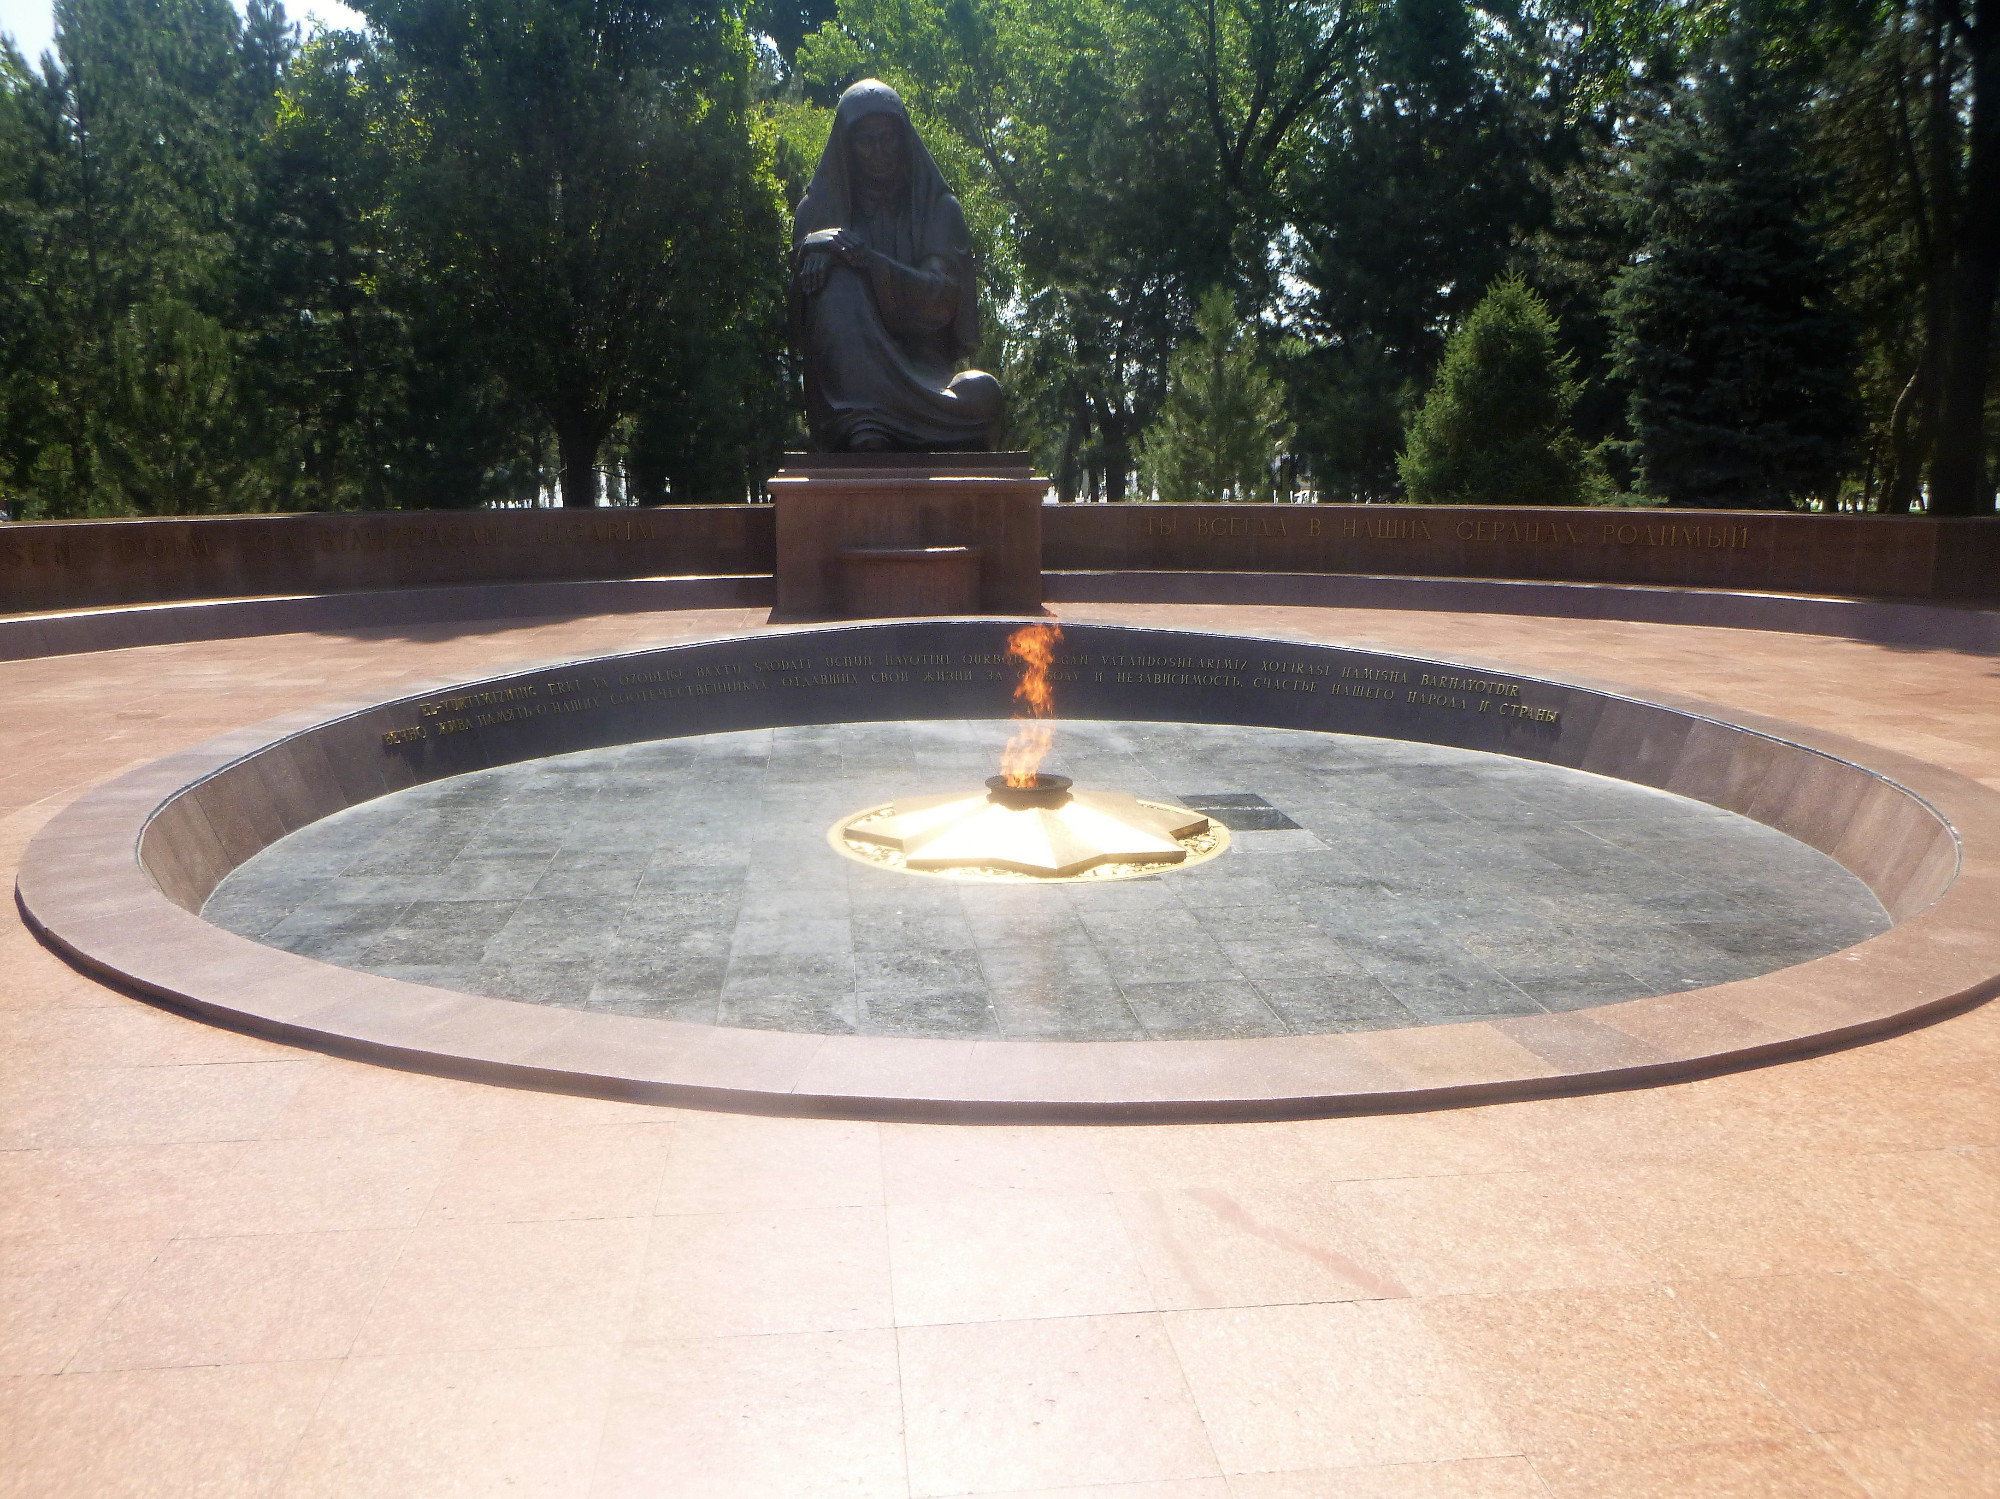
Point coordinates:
[(1372, 884), (1443, 886)]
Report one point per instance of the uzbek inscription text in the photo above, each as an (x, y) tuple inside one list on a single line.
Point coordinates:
[(1305, 526), (585, 692)]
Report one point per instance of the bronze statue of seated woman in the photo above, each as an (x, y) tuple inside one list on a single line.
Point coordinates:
[(884, 304)]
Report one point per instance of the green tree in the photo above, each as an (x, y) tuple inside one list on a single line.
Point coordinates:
[(576, 177), (1891, 124), (27, 344), (1573, 263), (485, 242), (1901, 103), (1728, 324), (1404, 206), (318, 268), (1495, 428), (171, 437), (142, 121), (368, 389), (714, 405), (1222, 430), (1960, 484), (789, 22), (151, 96)]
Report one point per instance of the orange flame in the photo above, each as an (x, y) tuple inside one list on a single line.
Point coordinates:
[(1035, 645)]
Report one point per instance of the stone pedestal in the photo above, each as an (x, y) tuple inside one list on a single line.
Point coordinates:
[(868, 535), (877, 581)]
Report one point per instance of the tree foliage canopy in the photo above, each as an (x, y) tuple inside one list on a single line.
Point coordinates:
[(1222, 429), (592, 197), (1728, 327), (1495, 428), (485, 250)]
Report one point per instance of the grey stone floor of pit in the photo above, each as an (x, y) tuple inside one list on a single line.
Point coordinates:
[(692, 879)]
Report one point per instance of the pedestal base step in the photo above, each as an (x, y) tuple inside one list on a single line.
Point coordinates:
[(876, 581)]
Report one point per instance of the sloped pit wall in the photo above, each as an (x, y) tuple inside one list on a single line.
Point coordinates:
[(1889, 837)]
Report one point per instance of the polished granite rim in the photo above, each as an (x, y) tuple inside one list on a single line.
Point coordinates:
[(114, 881)]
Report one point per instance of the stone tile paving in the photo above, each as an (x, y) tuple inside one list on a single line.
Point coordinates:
[(1769, 1185), (692, 879)]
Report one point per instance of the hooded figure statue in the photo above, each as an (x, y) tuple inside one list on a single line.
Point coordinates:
[(883, 302)]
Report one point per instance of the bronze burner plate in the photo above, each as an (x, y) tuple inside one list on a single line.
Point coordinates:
[(976, 835)]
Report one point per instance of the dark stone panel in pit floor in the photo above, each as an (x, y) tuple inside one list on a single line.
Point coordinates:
[(1371, 884)]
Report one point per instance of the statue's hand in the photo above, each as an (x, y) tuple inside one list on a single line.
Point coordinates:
[(842, 245), (821, 250)]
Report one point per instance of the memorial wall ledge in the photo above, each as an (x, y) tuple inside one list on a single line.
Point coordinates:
[(1862, 556), (114, 882), (1936, 625), (65, 565), (123, 627)]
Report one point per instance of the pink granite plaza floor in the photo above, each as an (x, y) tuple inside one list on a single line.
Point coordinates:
[(228, 1267)]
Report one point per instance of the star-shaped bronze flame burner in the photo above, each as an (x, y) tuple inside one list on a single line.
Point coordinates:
[(1044, 830)]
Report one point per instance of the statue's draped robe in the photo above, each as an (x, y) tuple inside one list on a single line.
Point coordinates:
[(880, 344)]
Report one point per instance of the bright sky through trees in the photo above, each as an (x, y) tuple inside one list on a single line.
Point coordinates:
[(30, 22)]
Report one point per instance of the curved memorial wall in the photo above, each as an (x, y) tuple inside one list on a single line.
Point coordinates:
[(69, 565), (119, 880)]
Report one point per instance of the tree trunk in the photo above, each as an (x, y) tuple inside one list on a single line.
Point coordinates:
[(1117, 466), (1117, 431), (1958, 480), (1908, 440), (684, 484), (579, 435), (647, 475), (1075, 447)]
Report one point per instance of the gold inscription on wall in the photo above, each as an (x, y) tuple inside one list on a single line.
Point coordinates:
[(300, 538), (1276, 524), (1669, 534), (1287, 523), (585, 692)]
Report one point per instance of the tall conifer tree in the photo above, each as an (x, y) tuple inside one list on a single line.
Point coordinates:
[(1728, 325), (1495, 428), (143, 126), (1223, 428)]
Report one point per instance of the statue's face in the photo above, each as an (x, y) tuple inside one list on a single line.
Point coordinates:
[(877, 143)]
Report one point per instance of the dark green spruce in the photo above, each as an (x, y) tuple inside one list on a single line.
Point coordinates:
[(1728, 324)]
